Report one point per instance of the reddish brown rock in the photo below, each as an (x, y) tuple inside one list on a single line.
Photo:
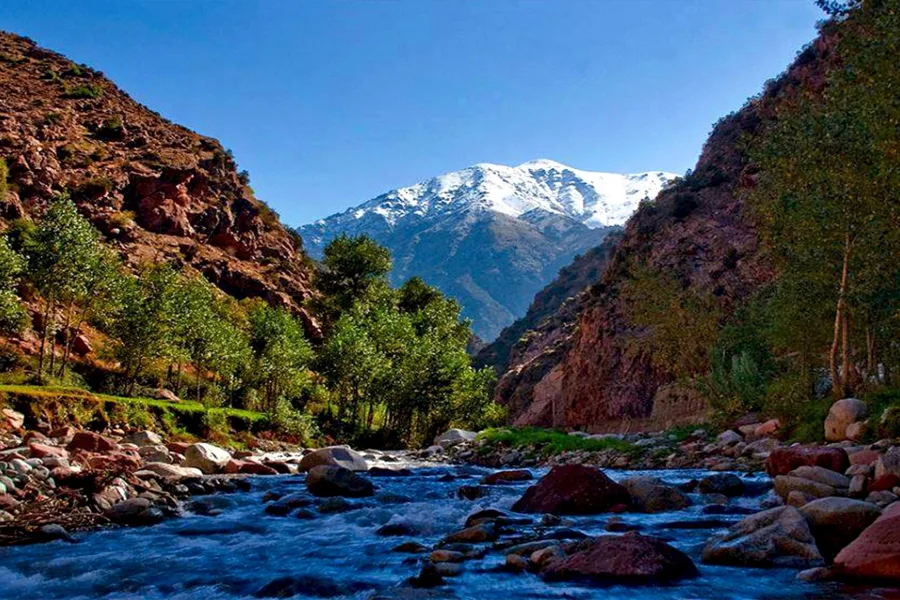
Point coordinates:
[(114, 461), (573, 490), (629, 558), (501, 477), (178, 447), (248, 467), (784, 460), (875, 554), (886, 482), (64, 435), (10, 419), (91, 442), (865, 457), (43, 451), (81, 345)]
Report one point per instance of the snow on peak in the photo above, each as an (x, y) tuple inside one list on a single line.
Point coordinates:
[(593, 198)]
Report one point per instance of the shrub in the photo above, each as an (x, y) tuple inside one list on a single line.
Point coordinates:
[(4, 180), (111, 129), (90, 90)]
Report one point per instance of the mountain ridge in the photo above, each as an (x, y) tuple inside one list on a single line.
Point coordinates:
[(493, 235)]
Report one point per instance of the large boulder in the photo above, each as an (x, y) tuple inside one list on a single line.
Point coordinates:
[(10, 419), (626, 559), (875, 554), (453, 437), (727, 484), (843, 413), (91, 442), (784, 460), (334, 456), (573, 490), (888, 463), (328, 481), (206, 457), (835, 522), (144, 438), (775, 537), (650, 495), (168, 471)]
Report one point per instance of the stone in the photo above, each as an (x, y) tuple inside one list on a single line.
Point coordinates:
[(627, 559), (815, 574), (167, 471), (44, 451), (52, 532), (729, 438), (410, 548), (453, 437), (328, 481), (573, 490), (91, 442), (858, 486), (540, 559), (439, 556), (11, 419), (835, 522), (841, 414), (797, 498), (134, 512), (650, 495), (785, 484), (775, 537), (155, 454), (767, 428), (206, 457), (782, 461), (857, 431), (515, 563), (81, 345), (485, 532), (285, 505), (822, 475), (502, 477), (887, 482), (164, 394), (882, 498), (727, 484), (888, 463), (334, 456), (144, 438), (875, 554), (471, 492)]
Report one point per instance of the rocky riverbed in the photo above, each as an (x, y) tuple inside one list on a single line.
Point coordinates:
[(125, 515)]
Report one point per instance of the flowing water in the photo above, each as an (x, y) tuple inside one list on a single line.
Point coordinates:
[(241, 551)]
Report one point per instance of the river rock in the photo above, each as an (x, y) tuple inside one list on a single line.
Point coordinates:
[(875, 554), (144, 438), (828, 477), (843, 413), (775, 537), (727, 484), (835, 522), (573, 490), (888, 463), (206, 457), (134, 512), (91, 442), (626, 559), (168, 471), (10, 419), (453, 437), (650, 495), (328, 481), (43, 451), (485, 532), (334, 456), (501, 477), (784, 460), (785, 485)]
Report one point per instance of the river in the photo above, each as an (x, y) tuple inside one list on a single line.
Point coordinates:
[(241, 551)]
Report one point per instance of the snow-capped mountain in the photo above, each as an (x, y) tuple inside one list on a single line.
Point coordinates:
[(492, 235)]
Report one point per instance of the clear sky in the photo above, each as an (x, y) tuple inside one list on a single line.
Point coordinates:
[(330, 103)]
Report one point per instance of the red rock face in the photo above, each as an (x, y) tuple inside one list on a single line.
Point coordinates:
[(155, 190), (573, 490), (784, 460), (700, 232), (629, 558), (875, 554)]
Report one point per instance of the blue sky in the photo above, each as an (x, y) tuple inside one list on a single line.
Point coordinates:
[(329, 103)]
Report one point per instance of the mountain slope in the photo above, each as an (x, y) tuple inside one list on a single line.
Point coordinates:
[(697, 233), (492, 235), (156, 190)]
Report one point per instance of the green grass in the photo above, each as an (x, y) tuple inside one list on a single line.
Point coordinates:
[(682, 432), (550, 442)]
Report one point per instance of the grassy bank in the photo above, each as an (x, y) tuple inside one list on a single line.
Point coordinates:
[(75, 406), (548, 442)]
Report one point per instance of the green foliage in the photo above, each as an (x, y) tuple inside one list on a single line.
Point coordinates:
[(111, 129), (677, 325), (549, 442), (4, 180), (13, 317), (81, 91), (734, 388)]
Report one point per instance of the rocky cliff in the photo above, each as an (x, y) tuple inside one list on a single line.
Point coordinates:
[(157, 191), (697, 231)]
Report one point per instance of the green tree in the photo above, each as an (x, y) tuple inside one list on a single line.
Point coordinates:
[(61, 255), (281, 353), (352, 267), (13, 317)]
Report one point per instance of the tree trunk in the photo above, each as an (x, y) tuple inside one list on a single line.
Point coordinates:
[(839, 319), (846, 367), (871, 364)]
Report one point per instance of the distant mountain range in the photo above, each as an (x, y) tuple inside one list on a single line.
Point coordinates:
[(491, 235)]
